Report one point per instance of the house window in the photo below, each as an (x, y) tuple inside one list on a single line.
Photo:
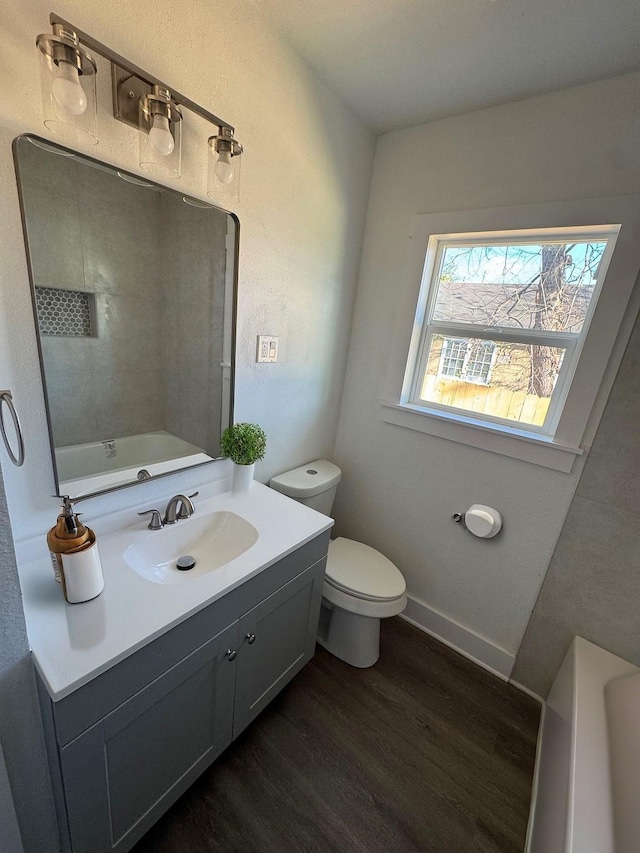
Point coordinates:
[(468, 360), (502, 319), (547, 292)]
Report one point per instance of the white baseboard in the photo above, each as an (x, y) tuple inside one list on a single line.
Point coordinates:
[(529, 692), (459, 638)]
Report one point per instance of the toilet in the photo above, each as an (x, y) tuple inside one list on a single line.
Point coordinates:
[(361, 586)]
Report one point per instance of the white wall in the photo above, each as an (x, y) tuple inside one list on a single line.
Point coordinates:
[(305, 181), (401, 487)]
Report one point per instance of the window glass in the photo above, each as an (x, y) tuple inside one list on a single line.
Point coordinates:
[(546, 286), (499, 379)]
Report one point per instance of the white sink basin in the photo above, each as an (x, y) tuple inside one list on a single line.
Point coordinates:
[(212, 540)]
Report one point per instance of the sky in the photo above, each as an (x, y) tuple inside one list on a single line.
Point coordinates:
[(515, 264)]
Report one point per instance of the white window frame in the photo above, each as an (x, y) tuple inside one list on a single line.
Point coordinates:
[(426, 327), (609, 325)]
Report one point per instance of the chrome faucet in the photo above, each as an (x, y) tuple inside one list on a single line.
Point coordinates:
[(186, 508), (171, 514)]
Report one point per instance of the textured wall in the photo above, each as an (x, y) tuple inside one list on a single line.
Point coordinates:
[(91, 231), (592, 588), (193, 261), (400, 487), (305, 183), (20, 726)]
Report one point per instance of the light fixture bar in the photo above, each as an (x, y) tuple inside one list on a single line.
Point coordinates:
[(133, 73)]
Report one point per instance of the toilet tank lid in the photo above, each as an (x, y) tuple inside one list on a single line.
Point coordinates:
[(307, 480)]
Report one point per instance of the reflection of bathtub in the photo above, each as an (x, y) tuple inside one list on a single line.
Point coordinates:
[(588, 772), (91, 467)]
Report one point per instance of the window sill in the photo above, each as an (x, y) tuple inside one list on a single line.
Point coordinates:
[(529, 447)]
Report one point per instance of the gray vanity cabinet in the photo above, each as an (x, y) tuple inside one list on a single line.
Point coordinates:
[(125, 746), (126, 770), (277, 638)]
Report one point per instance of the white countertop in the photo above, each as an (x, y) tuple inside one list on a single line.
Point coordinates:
[(73, 643)]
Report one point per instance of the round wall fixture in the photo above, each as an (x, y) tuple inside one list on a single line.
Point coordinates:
[(483, 521)]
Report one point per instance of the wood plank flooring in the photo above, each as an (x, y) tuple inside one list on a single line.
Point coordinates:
[(423, 752)]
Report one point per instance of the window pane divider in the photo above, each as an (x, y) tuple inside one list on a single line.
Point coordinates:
[(541, 337)]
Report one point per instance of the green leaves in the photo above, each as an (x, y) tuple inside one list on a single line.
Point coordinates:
[(244, 444)]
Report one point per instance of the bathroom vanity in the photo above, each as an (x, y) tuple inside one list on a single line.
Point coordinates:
[(142, 688)]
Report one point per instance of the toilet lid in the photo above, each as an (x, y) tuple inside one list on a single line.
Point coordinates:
[(362, 571)]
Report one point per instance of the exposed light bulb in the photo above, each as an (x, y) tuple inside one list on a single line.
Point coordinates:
[(67, 91), (224, 168), (160, 136)]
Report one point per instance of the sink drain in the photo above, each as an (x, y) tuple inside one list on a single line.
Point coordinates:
[(185, 563)]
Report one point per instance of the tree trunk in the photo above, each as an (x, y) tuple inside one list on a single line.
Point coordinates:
[(544, 360)]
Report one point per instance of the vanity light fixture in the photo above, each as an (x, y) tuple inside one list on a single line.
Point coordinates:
[(139, 99), (68, 75), (160, 124), (223, 173)]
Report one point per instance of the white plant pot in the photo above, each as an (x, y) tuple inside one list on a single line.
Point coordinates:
[(242, 477)]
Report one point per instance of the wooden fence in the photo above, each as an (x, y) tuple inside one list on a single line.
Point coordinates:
[(499, 402)]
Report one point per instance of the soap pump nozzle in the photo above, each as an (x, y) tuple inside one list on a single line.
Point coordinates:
[(70, 518)]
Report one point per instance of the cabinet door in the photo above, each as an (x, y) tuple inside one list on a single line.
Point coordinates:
[(277, 638), (125, 771)]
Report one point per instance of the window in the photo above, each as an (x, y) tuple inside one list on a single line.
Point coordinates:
[(471, 361), (511, 323), (503, 318)]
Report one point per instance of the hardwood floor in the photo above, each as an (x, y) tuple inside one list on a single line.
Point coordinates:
[(423, 752)]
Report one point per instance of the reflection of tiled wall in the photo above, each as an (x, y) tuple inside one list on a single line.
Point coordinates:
[(592, 587), (64, 312), (90, 231), (193, 316)]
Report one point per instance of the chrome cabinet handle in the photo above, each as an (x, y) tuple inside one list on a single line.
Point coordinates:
[(156, 519), (251, 638), (231, 655)]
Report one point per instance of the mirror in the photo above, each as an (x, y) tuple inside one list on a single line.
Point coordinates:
[(133, 287)]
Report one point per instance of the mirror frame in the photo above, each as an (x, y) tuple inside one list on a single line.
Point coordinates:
[(198, 202)]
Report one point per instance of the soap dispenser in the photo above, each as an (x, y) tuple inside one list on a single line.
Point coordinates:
[(68, 532), (74, 555)]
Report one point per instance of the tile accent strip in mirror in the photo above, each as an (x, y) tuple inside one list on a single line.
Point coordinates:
[(64, 312)]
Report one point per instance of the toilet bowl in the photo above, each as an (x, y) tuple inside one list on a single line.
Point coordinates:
[(361, 585)]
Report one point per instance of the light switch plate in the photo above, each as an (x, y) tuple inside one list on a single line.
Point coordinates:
[(267, 350)]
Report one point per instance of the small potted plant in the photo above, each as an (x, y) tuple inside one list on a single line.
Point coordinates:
[(244, 444)]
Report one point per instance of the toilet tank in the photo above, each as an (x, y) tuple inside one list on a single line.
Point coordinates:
[(313, 484)]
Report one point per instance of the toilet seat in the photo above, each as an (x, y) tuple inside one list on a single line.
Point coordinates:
[(355, 569)]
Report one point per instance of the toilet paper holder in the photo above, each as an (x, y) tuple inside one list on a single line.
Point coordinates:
[(482, 521)]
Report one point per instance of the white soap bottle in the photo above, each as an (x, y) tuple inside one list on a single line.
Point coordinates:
[(82, 569)]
